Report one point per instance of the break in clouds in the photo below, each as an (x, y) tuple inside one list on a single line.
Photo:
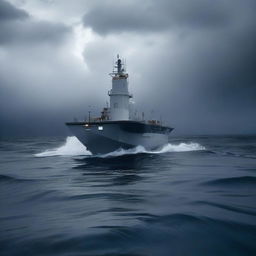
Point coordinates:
[(190, 62)]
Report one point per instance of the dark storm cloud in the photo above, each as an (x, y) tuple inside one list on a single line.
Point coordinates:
[(116, 17), (29, 68), (207, 77), (31, 31), (193, 61), (9, 12), (18, 28), (221, 33)]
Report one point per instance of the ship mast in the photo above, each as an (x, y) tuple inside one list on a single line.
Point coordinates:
[(119, 69)]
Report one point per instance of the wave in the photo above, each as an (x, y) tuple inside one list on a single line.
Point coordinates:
[(233, 208), (6, 178), (234, 181), (238, 155), (73, 147)]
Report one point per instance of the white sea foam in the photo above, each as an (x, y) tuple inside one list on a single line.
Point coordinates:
[(73, 147), (181, 147)]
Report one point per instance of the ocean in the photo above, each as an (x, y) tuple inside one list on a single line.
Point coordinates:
[(196, 196)]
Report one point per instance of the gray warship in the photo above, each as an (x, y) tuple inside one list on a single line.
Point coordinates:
[(118, 127)]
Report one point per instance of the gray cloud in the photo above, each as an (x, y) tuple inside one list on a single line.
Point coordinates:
[(9, 12), (17, 27), (31, 31), (119, 17)]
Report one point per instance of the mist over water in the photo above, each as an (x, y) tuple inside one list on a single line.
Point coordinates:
[(195, 196)]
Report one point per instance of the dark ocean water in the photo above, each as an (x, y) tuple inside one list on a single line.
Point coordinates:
[(197, 196)]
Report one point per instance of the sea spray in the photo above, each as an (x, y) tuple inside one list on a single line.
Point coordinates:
[(72, 147)]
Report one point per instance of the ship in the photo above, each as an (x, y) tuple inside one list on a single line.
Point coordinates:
[(118, 126)]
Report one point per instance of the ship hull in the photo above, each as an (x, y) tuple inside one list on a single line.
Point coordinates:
[(107, 136)]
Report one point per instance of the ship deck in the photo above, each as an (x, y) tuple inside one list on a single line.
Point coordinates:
[(128, 126)]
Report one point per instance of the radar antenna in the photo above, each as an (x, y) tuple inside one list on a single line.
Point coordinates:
[(119, 68)]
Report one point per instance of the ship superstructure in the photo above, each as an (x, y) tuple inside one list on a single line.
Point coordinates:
[(116, 128), (119, 94)]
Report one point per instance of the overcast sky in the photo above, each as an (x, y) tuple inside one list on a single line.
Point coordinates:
[(192, 62)]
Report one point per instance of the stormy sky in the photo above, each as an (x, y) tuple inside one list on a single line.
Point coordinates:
[(191, 62)]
